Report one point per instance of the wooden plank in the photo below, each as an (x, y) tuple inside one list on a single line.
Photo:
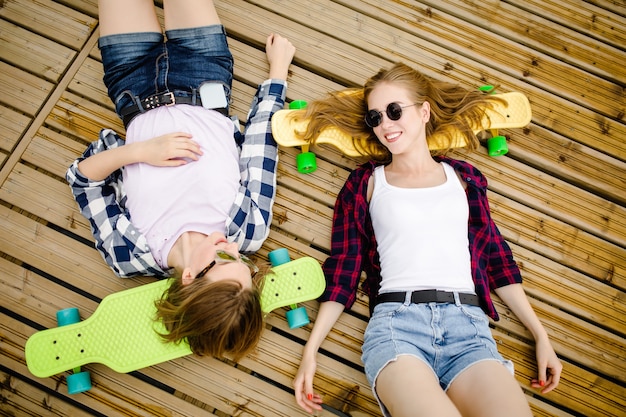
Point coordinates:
[(47, 250), (45, 197), (579, 390), (542, 35), (552, 196), (12, 126), (53, 152), (39, 119), (478, 45), (32, 52), (88, 83), (560, 240), (575, 340), (22, 91), (61, 24), (579, 165), (569, 119), (589, 20), (21, 398), (569, 289)]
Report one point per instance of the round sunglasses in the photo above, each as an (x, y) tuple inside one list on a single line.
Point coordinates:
[(374, 118), (223, 257)]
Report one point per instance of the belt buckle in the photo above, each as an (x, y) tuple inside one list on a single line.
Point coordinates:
[(172, 98)]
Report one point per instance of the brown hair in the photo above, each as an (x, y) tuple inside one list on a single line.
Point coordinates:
[(216, 318), (452, 108)]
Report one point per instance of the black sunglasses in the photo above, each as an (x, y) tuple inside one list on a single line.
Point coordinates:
[(223, 257), (374, 118)]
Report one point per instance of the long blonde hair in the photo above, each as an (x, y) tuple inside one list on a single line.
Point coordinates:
[(453, 108)]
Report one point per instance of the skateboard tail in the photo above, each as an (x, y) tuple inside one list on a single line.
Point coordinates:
[(292, 283)]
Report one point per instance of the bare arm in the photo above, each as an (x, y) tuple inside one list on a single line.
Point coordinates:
[(549, 365), (279, 53), (166, 150), (303, 383)]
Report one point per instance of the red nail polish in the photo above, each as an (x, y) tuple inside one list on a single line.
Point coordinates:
[(542, 383), (309, 397)]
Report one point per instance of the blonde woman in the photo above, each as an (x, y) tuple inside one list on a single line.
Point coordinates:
[(419, 226)]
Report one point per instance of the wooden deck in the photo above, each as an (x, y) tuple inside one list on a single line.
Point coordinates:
[(558, 196)]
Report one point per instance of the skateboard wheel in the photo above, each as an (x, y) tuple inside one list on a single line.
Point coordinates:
[(68, 316), (78, 382), (279, 256), (497, 146), (297, 318), (297, 105), (306, 162)]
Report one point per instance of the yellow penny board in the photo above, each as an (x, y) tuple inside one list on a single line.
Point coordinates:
[(514, 112)]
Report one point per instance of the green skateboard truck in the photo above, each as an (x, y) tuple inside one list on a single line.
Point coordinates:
[(123, 335)]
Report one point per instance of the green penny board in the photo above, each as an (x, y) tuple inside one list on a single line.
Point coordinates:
[(123, 335)]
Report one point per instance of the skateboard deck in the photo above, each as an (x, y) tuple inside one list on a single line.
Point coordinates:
[(513, 113), (123, 335)]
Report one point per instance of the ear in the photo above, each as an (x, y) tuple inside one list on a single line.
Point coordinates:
[(425, 111), (187, 277)]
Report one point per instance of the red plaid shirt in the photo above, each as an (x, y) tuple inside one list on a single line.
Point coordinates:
[(354, 247)]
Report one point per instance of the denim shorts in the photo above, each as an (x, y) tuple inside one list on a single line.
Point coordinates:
[(139, 65), (449, 338)]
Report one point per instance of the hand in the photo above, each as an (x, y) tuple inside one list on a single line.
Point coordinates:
[(303, 385), (549, 367), (169, 150), (279, 53)]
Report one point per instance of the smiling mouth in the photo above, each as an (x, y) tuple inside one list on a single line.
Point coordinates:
[(392, 137)]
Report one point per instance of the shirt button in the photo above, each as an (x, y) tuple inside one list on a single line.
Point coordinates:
[(468, 179)]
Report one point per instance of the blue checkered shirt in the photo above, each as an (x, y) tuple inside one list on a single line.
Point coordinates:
[(126, 250)]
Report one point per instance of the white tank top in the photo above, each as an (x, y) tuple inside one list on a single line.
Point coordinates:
[(422, 235), (165, 202)]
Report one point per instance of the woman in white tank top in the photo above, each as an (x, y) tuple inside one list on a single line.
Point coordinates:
[(419, 226)]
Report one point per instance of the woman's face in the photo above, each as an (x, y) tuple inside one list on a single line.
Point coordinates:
[(403, 134), (206, 253)]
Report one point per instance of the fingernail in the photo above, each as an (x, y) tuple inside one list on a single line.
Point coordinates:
[(542, 383), (309, 397)]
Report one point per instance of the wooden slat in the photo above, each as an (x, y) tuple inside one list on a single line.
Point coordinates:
[(553, 197), (587, 19), (32, 52), (12, 126), (22, 91), (539, 33), (580, 390), (577, 341), (62, 24)]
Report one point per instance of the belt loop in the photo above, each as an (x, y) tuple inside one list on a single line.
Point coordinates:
[(408, 298), (457, 298), (194, 96)]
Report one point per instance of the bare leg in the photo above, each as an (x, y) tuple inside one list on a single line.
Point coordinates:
[(487, 389), (124, 16), (182, 14), (408, 388)]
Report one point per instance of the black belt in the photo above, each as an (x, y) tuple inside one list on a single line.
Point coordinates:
[(158, 100), (427, 296)]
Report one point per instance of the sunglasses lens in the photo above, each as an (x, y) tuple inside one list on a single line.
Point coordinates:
[(394, 111), (225, 256), (373, 118)]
